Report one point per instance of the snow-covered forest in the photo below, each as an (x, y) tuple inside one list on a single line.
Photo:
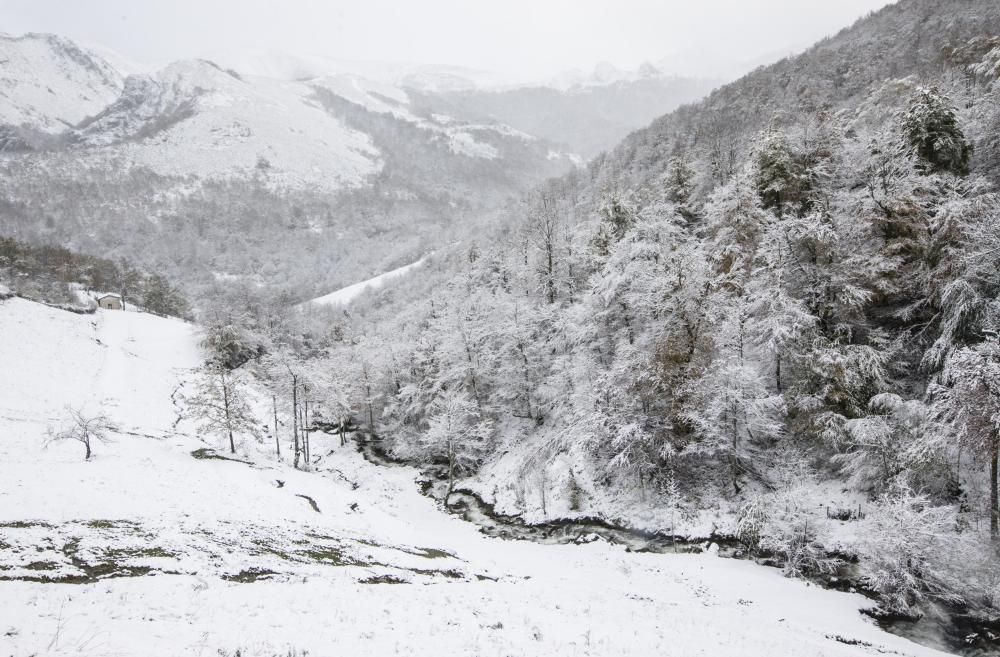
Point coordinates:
[(781, 328), (766, 327)]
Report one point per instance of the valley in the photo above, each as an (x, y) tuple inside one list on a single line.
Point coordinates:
[(302, 354), (147, 548)]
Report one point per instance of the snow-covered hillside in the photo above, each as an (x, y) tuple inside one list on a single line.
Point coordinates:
[(176, 554), (193, 118), (346, 295), (199, 120), (49, 83), (460, 136)]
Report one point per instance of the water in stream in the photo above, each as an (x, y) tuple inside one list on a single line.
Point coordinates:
[(950, 630)]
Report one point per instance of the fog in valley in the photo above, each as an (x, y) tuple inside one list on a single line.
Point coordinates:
[(562, 328)]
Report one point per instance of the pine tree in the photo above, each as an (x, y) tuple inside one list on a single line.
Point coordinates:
[(617, 213), (931, 126), (161, 298), (777, 174), (680, 187)]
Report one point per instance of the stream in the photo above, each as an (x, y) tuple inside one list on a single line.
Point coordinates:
[(949, 630)]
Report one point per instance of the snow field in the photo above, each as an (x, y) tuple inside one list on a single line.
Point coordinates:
[(257, 569)]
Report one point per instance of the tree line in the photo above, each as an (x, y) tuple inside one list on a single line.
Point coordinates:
[(48, 273)]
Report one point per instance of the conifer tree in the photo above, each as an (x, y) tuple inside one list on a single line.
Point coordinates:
[(931, 126)]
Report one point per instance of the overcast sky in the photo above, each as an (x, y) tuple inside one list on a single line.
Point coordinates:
[(524, 38)]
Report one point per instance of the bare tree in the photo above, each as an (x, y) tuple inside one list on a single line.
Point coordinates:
[(277, 441), (544, 230), (970, 401), (84, 429), (456, 432), (221, 404), (295, 415)]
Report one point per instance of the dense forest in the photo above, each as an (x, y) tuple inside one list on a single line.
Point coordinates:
[(52, 274), (772, 316)]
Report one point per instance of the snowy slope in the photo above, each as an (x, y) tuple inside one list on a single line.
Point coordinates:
[(178, 555), (145, 495), (380, 98), (346, 295), (200, 121), (193, 118), (49, 83)]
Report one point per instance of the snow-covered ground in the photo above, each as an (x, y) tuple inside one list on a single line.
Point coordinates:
[(51, 83), (346, 295), (176, 555), (195, 118), (386, 99)]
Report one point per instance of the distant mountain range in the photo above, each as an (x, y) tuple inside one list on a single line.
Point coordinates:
[(196, 118), (49, 84), (242, 103), (299, 173)]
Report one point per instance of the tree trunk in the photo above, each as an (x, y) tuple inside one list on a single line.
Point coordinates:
[(527, 378), (229, 419), (736, 462), (295, 420), (472, 369), (368, 402), (277, 443), (451, 472), (86, 444), (994, 497), (551, 274), (305, 426)]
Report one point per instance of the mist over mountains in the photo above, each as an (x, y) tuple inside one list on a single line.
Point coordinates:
[(371, 165), (619, 362)]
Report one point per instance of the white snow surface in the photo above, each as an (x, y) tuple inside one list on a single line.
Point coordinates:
[(144, 501), (50, 83), (346, 295), (193, 118), (197, 120), (381, 98)]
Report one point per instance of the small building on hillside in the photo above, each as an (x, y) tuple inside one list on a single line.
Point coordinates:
[(110, 301)]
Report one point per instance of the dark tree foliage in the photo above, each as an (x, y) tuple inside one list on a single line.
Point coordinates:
[(46, 272), (932, 128)]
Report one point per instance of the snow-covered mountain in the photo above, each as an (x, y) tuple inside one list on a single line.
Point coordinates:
[(48, 83), (354, 169), (194, 118), (423, 77), (293, 120), (386, 99), (603, 74), (197, 119), (586, 112), (350, 175)]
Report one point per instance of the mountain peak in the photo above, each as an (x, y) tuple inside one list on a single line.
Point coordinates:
[(50, 82)]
